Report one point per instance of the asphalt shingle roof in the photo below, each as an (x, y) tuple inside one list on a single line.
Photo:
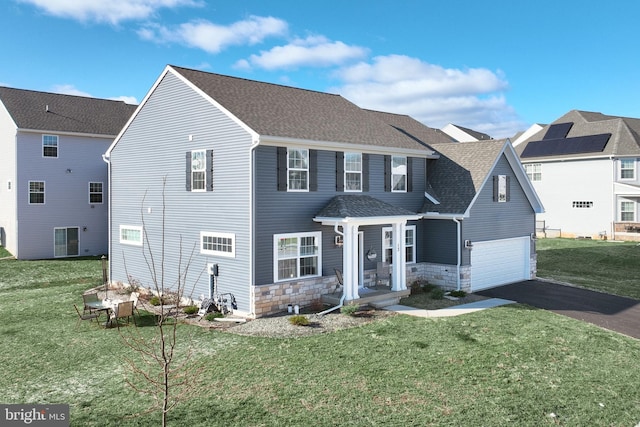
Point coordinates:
[(624, 141), (357, 206), (283, 111), (66, 113), (458, 175)]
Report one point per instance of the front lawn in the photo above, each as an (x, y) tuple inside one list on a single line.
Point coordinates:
[(511, 365), (612, 267)]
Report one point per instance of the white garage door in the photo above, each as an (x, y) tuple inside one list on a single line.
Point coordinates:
[(498, 262)]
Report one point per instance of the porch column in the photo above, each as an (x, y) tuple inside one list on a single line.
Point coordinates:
[(399, 269), (350, 261)]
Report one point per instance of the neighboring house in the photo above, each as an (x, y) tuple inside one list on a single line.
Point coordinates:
[(525, 135), (53, 181), (280, 187), (585, 169), (462, 134)]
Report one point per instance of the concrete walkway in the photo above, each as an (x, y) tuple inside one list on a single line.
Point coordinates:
[(456, 310)]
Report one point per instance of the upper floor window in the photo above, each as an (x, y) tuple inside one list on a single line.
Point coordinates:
[(221, 244), (198, 170), (501, 188), (409, 244), (298, 169), (534, 171), (95, 193), (627, 211), (131, 235), (36, 192), (627, 168), (297, 255), (352, 172), (49, 146), (398, 174)]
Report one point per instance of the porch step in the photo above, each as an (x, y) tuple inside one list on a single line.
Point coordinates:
[(385, 303), (376, 298)]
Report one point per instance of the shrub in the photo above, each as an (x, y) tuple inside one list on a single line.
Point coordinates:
[(212, 316), (191, 309), (299, 320), (349, 309), (155, 300), (437, 293), (458, 294)]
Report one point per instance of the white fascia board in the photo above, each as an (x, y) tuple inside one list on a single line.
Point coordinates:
[(373, 220), (66, 133), (431, 198), (345, 146), (438, 215)]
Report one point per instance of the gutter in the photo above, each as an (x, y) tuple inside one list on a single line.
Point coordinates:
[(459, 261), (107, 159), (252, 207)]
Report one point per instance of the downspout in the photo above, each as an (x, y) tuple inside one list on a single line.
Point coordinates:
[(252, 204), (107, 160), (614, 200), (459, 261), (344, 295)]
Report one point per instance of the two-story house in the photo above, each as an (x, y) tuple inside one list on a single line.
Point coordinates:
[(279, 187), (53, 181), (585, 169)]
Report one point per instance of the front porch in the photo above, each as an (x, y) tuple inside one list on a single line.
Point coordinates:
[(376, 296), (629, 231)]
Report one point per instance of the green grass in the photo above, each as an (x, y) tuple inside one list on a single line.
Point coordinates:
[(4, 253), (612, 267), (511, 365)]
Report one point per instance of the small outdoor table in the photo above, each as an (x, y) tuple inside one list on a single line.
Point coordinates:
[(105, 305)]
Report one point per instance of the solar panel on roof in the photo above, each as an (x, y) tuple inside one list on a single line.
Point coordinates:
[(560, 130), (560, 146)]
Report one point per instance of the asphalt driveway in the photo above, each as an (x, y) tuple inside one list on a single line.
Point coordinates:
[(611, 312)]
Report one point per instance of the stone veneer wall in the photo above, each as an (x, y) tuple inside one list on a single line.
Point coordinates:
[(274, 298)]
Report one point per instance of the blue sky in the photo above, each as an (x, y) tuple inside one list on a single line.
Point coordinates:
[(495, 66)]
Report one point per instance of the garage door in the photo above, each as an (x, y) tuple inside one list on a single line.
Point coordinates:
[(498, 262)]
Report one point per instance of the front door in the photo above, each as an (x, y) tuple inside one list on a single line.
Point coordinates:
[(65, 242)]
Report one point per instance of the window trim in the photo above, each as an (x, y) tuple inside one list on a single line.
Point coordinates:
[(229, 254), (276, 239), (634, 211), (405, 174), (202, 170), (94, 193), (133, 228), (305, 170), (633, 169), (385, 247), (57, 145), (353, 172), (44, 192), (535, 174)]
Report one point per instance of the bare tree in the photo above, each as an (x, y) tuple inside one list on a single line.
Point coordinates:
[(162, 369)]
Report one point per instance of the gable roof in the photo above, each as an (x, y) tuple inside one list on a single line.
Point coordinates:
[(413, 128), (52, 112), (463, 169), (583, 134), (462, 134), (286, 112), (360, 206)]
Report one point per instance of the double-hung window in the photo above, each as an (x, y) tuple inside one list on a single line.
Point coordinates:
[(627, 211), (297, 255), (198, 170), (219, 244), (36, 192), (131, 235), (95, 193), (627, 168), (298, 169), (409, 244), (49, 146), (352, 172), (534, 171), (398, 174)]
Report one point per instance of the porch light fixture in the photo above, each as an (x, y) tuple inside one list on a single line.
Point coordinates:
[(338, 241), (371, 254), (468, 244)]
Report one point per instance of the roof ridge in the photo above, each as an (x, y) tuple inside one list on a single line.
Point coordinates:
[(62, 94)]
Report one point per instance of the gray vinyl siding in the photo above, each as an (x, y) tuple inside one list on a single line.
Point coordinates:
[(66, 194), (490, 220), (438, 242), (280, 212), (152, 149)]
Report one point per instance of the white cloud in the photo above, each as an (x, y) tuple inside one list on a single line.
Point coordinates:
[(126, 99), (316, 51), (433, 94), (110, 11), (213, 38), (67, 89)]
